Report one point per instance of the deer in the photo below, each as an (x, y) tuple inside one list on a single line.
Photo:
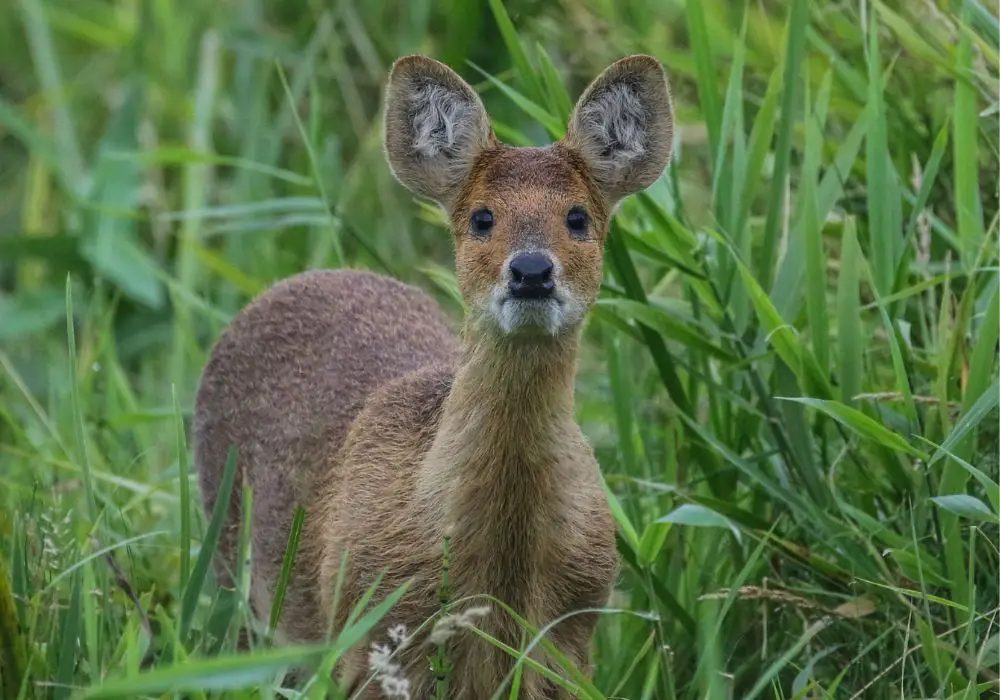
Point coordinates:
[(352, 395)]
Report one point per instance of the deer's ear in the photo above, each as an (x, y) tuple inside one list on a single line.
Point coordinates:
[(623, 126), (435, 127)]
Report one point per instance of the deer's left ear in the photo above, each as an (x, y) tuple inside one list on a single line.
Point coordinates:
[(623, 126)]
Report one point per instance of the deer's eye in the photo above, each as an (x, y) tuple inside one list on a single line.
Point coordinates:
[(576, 222), (482, 222)]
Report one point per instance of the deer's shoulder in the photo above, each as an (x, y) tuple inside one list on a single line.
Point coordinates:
[(408, 408)]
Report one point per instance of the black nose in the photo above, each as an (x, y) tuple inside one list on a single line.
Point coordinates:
[(531, 276)]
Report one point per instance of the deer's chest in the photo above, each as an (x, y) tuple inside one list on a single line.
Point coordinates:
[(542, 563)]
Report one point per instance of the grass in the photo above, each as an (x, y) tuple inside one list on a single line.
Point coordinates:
[(790, 380)]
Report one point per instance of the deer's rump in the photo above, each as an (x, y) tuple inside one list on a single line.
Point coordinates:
[(284, 383)]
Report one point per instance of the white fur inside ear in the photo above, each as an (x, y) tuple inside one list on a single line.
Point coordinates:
[(617, 122), (441, 119)]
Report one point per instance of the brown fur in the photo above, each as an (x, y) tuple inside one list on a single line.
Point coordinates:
[(347, 392), (284, 384)]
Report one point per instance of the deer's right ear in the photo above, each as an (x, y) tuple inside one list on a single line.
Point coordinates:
[(435, 127)]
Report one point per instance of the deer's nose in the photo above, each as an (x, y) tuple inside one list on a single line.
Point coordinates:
[(531, 276)]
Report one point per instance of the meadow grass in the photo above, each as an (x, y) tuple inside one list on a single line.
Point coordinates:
[(790, 379)]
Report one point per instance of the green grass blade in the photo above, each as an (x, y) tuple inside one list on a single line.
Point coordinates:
[(79, 429), (697, 515), (70, 628), (772, 671), (984, 353), (625, 526), (184, 484), (76, 566), (812, 228), (219, 673), (786, 291), (985, 23), (19, 128), (849, 332), (705, 67), (184, 156), (909, 36), (860, 424), (13, 654), (783, 338), (332, 245), (794, 50), (558, 99), (530, 107), (92, 623), (831, 187), (882, 186), (966, 506), (251, 210), (852, 79), (659, 320), (287, 564), (970, 420), (989, 485), (801, 442), (929, 176), (898, 365), (620, 383), (529, 79), (195, 196), (655, 583), (755, 474), (358, 628), (966, 156), (726, 182), (624, 269), (43, 53), (111, 242), (761, 136), (210, 543), (244, 562), (658, 253)]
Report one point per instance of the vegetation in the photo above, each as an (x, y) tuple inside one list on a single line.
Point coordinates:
[(790, 378)]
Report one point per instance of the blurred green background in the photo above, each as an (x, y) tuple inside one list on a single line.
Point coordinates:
[(790, 379)]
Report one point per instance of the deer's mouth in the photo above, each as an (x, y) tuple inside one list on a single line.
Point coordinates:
[(550, 316), (516, 315)]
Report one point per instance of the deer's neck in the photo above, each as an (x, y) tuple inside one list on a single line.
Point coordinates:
[(497, 472)]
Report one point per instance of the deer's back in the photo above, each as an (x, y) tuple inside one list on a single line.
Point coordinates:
[(284, 383)]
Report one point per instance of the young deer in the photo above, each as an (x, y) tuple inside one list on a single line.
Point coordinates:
[(348, 393)]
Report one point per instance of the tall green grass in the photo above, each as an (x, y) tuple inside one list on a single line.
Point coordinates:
[(790, 378)]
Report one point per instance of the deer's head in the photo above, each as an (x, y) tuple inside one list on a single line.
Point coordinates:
[(529, 223)]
